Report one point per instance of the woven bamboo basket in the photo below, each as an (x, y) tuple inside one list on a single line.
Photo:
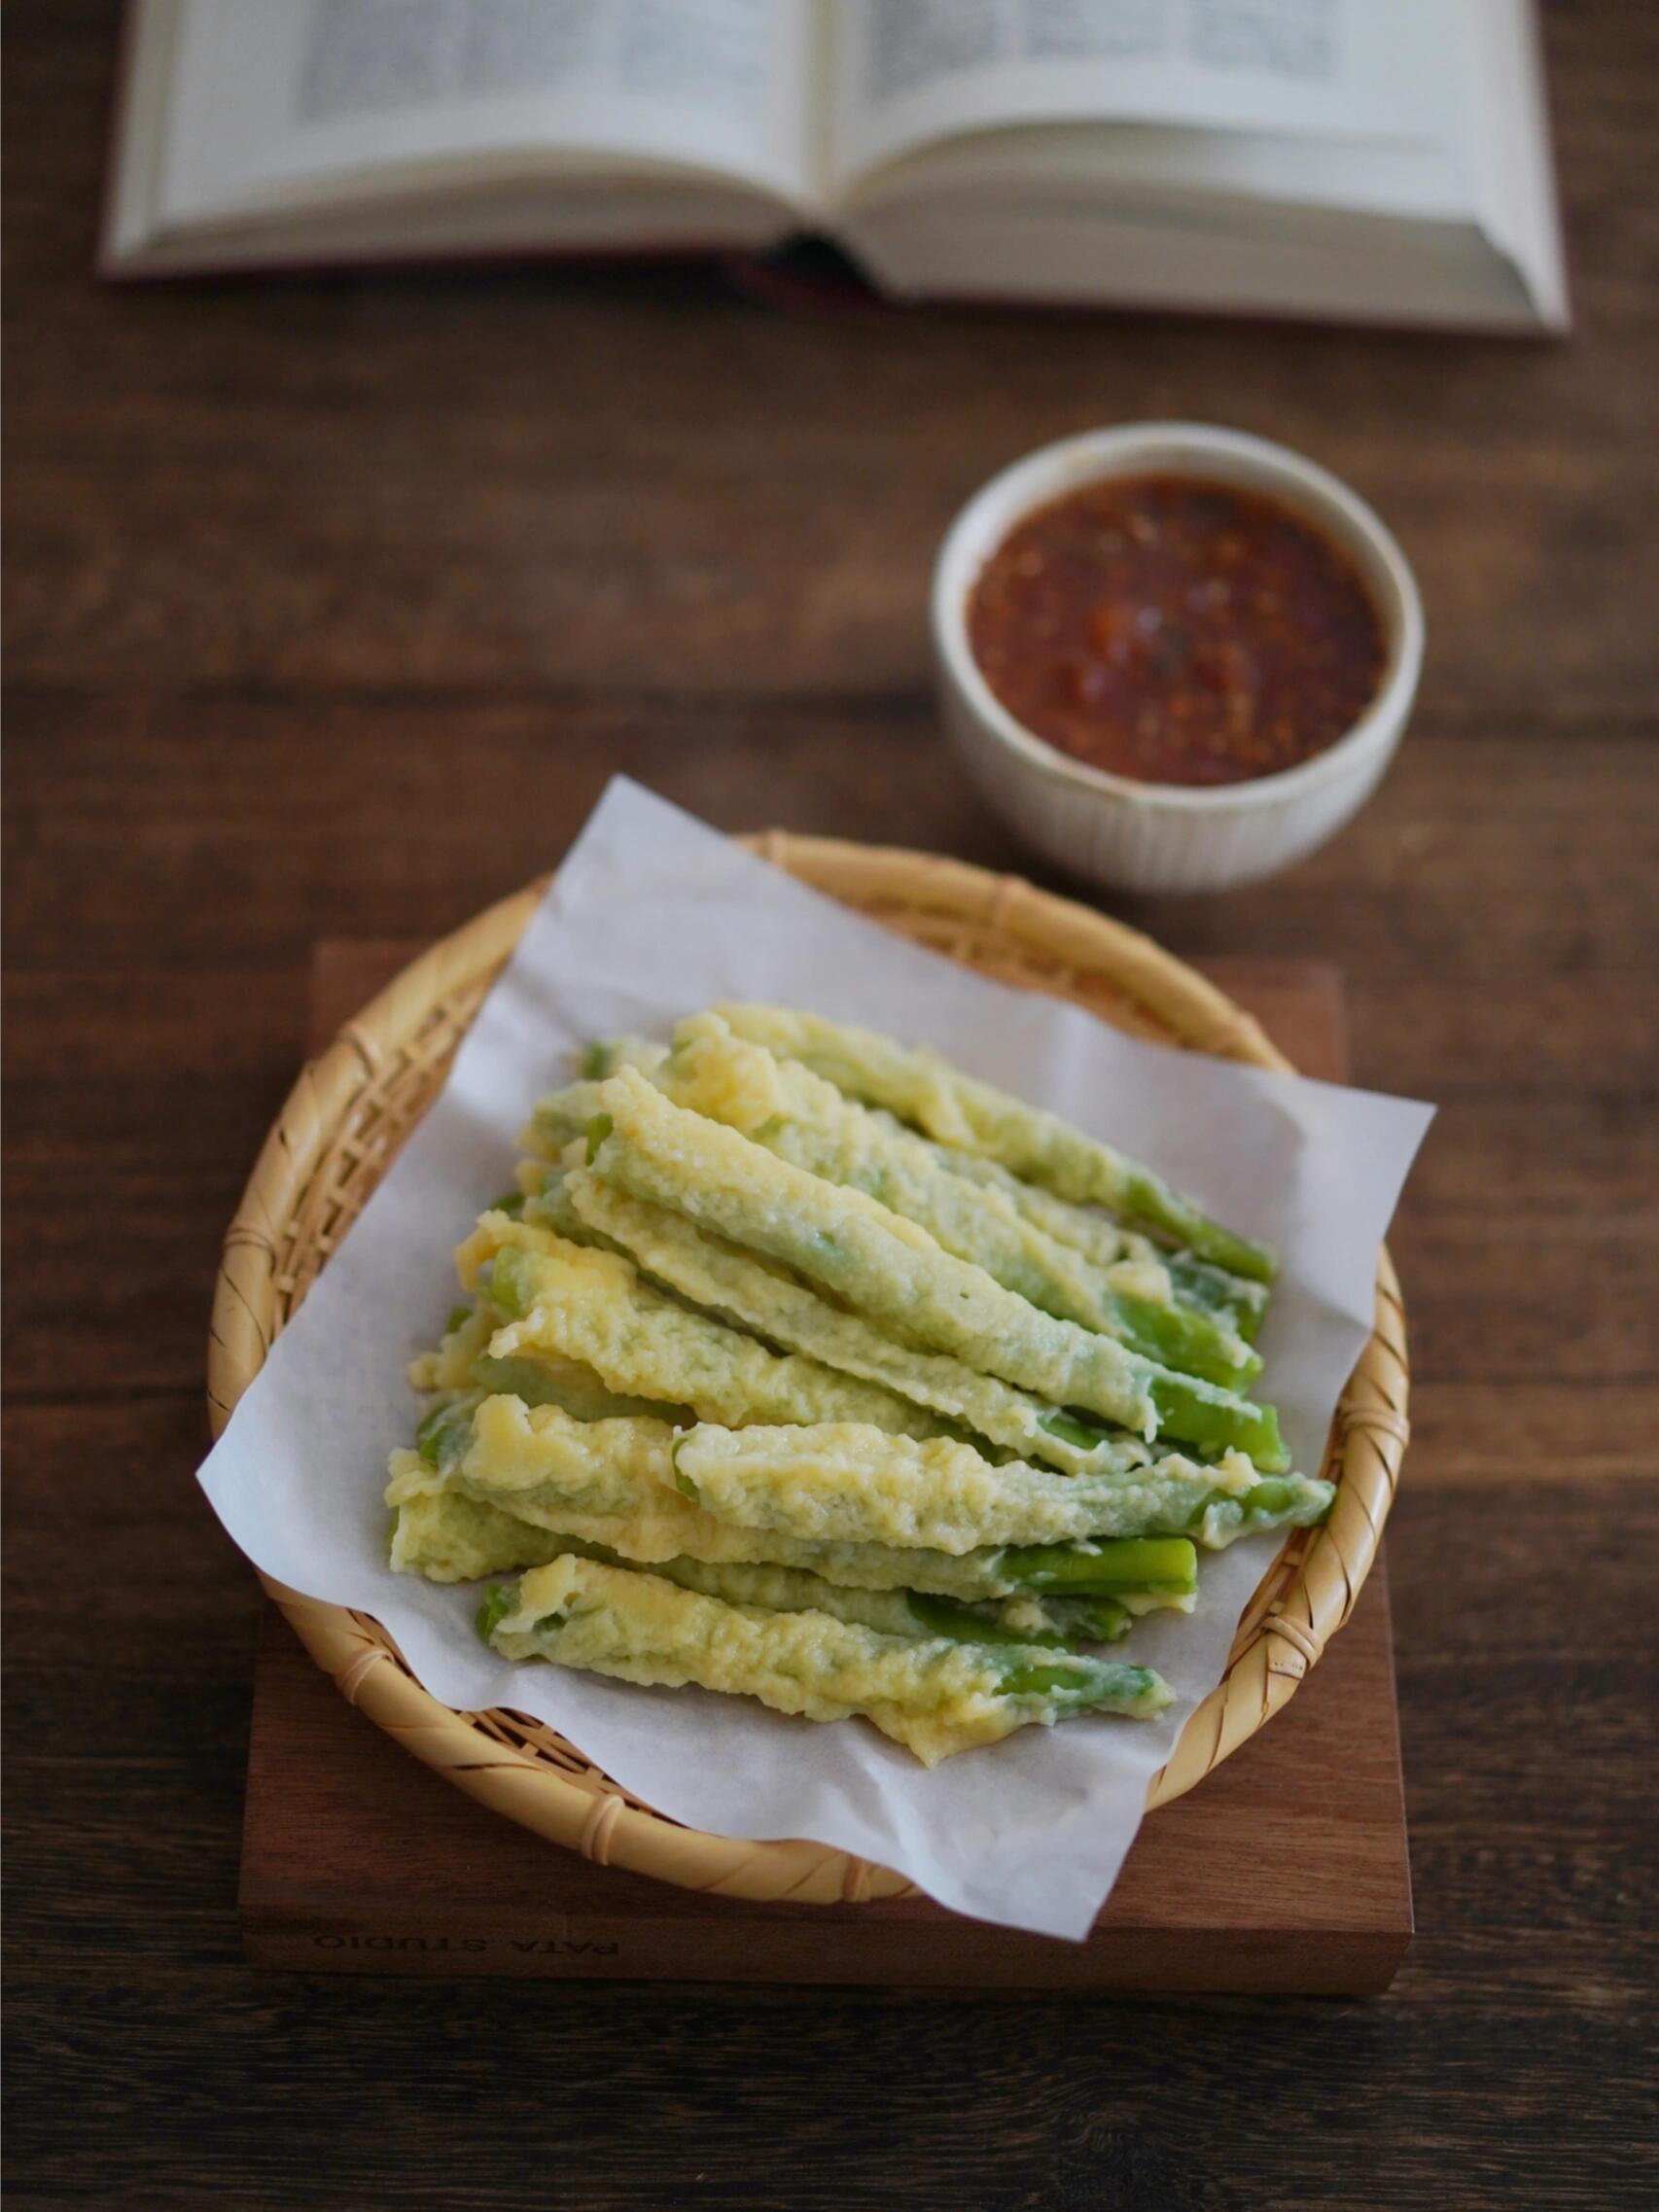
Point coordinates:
[(353, 1106)]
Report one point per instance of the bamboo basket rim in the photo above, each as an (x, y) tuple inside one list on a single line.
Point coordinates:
[(352, 1107)]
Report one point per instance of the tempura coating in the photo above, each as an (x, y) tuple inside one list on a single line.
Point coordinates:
[(838, 1483), (593, 1307), (721, 1276), (1130, 1261), (446, 1536), (614, 1484), (462, 1362), (957, 1109), (898, 1275), (934, 1695), (804, 1120)]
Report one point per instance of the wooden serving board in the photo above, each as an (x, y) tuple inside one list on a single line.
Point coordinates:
[(357, 1858)]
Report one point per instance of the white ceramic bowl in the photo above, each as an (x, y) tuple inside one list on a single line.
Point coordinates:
[(1135, 836)]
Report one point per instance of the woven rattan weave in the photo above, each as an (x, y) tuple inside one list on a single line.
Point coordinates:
[(353, 1106)]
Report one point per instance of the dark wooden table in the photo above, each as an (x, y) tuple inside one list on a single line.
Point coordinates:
[(332, 606)]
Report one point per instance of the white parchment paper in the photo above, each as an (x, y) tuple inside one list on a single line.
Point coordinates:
[(652, 916)]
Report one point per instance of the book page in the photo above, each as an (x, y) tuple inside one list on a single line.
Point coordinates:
[(277, 100), (1240, 176), (1509, 146), (911, 72)]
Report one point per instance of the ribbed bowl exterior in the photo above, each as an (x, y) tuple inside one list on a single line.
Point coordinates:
[(1128, 843), (1155, 837)]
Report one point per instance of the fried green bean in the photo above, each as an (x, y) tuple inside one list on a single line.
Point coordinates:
[(840, 1483), (804, 1120), (447, 1536), (611, 1482), (1132, 1260), (465, 1334), (933, 1695), (719, 1275), (566, 1114), (569, 1384), (1143, 1572), (925, 1090), (892, 1271), (463, 1365), (1136, 1268), (560, 1117), (593, 1307)]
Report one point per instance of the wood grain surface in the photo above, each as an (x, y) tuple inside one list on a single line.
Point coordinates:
[(357, 1858), (331, 605)]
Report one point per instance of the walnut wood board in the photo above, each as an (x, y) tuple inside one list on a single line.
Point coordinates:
[(356, 1857)]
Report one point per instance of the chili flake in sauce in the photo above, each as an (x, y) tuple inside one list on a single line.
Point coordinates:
[(1177, 631)]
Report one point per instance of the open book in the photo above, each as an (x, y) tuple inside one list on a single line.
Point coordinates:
[(1372, 158)]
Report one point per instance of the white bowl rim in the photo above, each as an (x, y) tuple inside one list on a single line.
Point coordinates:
[(1094, 456)]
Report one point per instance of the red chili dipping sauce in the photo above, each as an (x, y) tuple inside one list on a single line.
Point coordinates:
[(1176, 631)]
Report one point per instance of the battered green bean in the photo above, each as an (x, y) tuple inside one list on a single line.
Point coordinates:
[(719, 1275), (592, 1307), (803, 1366), (462, 1363), (611, 1482), (806, 1121), (840, 1483), (566, 1114), (447, 1536), (923, 1089), (899, 1276), (935, 1696), (1132, 1260)]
